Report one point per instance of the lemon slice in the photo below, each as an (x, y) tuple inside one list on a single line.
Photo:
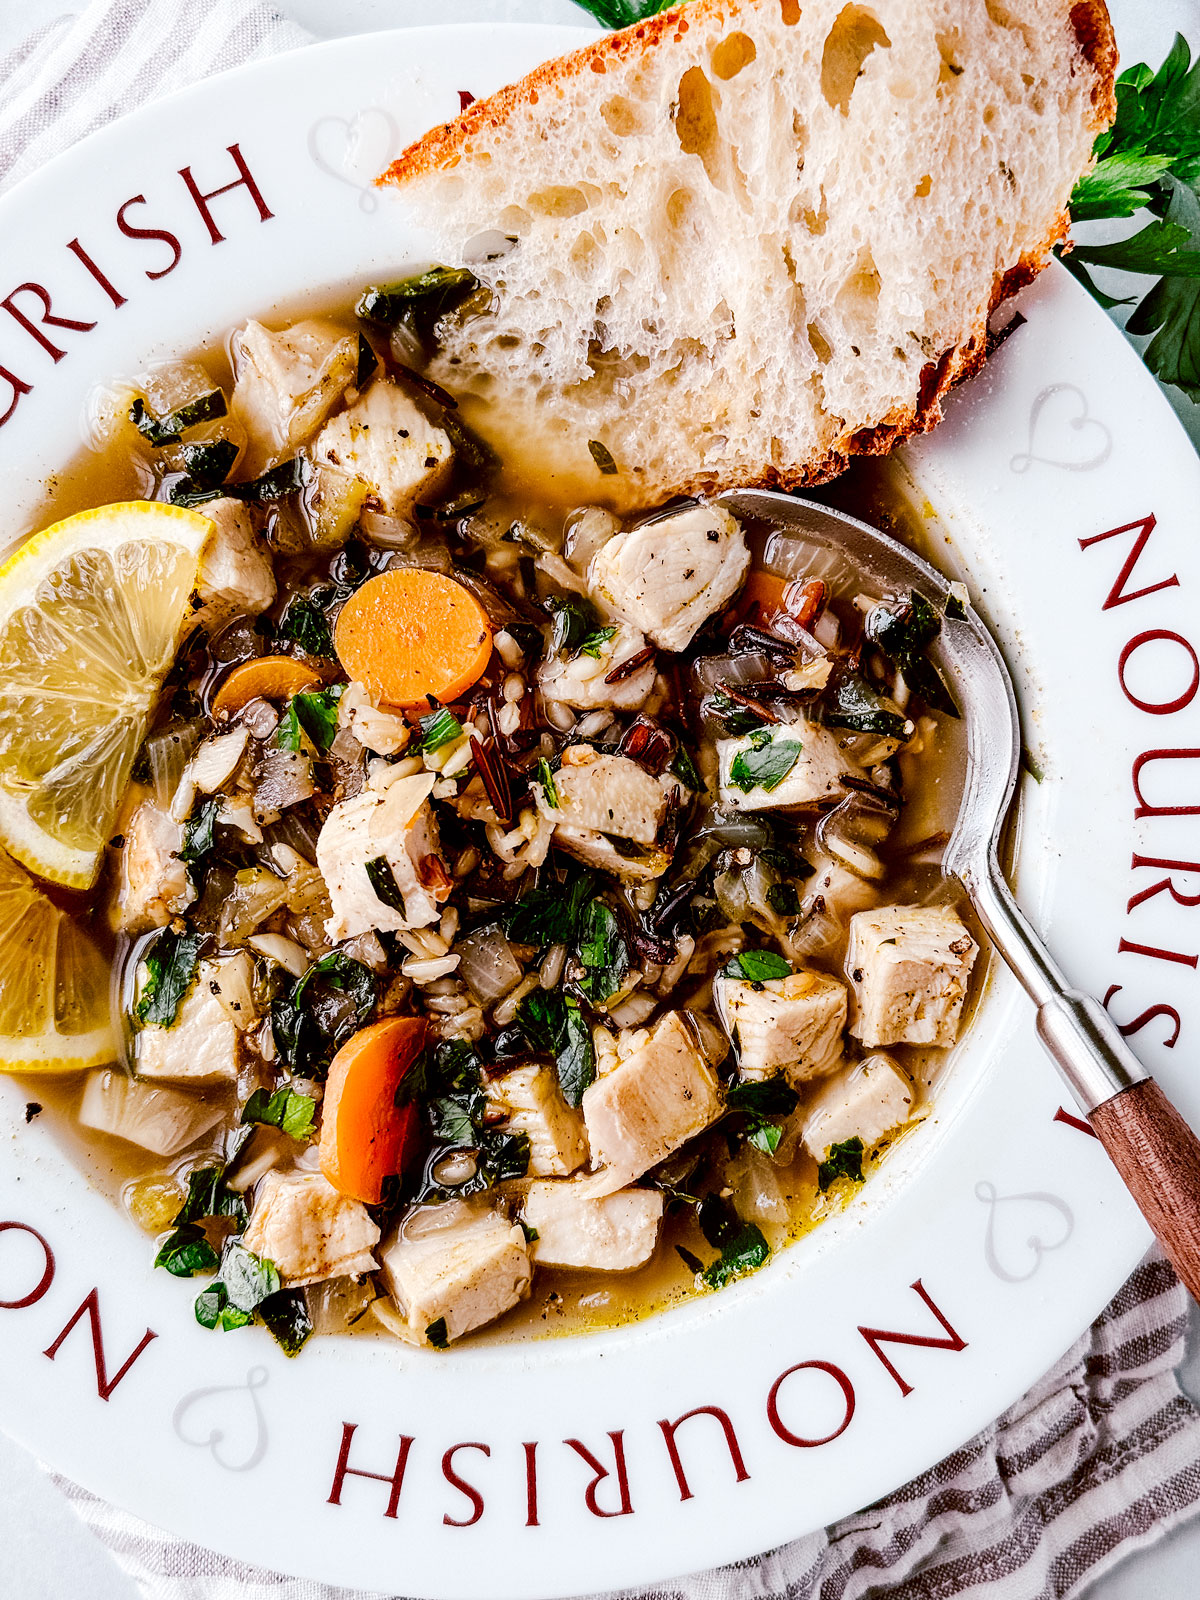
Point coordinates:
[(91, 613), (54, 984)]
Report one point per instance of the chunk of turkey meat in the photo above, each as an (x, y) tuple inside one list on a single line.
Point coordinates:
[(608, 794), (791, 1025), (387, 441), (200, 1046), (235, 577), (863, 1101), (813, 777), (395, 826), (667, 576), (581, 680), (530, 1101), (153, 885), (310, 1230), (910, 967), (288, 382), (579, 1225), (458, 1265)]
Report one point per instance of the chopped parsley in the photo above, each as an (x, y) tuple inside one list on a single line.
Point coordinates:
[(448, 1084), (383, 882), (304, 623), (437, 1334), (198, 838), (231, 1300), (783, 898), (545, 777), (602, 950), (315, 713), (160, 431), (905, 635), (760, 1100), (603, 457), (595, 642), (852, 703), (306, 1029), (757, 966), (843, 1161), (171, 964), (186, 1251), (288, 1110), (555, 1025), (285, 1315), (742, 1245), (417, 302), (550, 914), (765, 762), (438, 728), (684, 768), (575, 619)]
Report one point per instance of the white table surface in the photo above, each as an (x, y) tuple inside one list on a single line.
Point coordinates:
[(47, 1553)]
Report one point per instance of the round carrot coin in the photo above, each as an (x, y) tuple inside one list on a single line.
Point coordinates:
[(410, 633), (264, 678), (365, 1136)]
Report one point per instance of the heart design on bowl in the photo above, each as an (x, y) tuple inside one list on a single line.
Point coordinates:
[(355, 150), (1063, 433), (1045, 1220), (233, 1431)]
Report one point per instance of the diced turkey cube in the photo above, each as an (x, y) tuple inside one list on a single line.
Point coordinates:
[(661, 1093), (389, 831), (309, 1229), (669, 575), (162, 1121), (154, 885), (783, 764), (200, 1046), (863, 1101), (579, 1227), (598, 850), (910, 967), (466, 1273), (607, 794), (236, 578), (385, 439), (791, 1025), (532, 1104), (288, 383), (581, 680)]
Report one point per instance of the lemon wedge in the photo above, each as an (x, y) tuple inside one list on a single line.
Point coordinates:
[(91, 613), (54, 984)]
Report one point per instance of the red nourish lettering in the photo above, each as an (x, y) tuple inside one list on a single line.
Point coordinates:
[(245, 181), (1145, 1017), (344, 1470), (463, 1487), (735, 1455), (625, 1508), (17, 387), (161, 234), (1144, 808), (878, 1337), (114, 294), (48, 320), (31, 1296), (531, 1485), (1156, 953), (1117, 595), (1177, 895), (799, 1440), (1159, 708), (91, 1309)]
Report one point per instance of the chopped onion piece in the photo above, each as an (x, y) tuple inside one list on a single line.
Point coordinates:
[(488, 964), (285, 952)]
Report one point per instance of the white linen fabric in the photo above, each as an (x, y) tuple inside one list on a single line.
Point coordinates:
[(1100, 1458)]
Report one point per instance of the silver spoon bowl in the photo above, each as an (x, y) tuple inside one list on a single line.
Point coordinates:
[(1154, 1150)]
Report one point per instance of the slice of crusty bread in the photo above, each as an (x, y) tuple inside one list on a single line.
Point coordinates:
[(748, 239)]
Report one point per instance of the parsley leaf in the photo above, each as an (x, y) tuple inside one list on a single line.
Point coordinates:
[(383, 881), (437, 1334), (187, 1251), (574, 620), (595, 642), (549, 915), (285, 1315), (293, 1113), (602, 950), (246, 1281), (305, 623), (315, 712), (757, 966), (210, 1196), (545, 777), (852, 703), (684, 768), (623, 13), (555, 1024), (759, 1100), (742, 1245), (160, 431), (439, 728), (1171, 311), (843, 1161), (304, 1029), (198, 837), (765, 762), (171, 964), (905, 635)]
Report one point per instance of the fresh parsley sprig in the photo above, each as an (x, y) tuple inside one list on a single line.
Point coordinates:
[(1150, 160)]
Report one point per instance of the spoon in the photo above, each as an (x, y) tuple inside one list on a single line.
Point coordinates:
[(1152, 1147)]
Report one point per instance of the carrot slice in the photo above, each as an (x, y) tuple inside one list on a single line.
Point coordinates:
[(365, 1136), (264, 678), (411, 633)]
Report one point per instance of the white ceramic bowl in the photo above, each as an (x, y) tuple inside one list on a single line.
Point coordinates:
[(989, 1239)]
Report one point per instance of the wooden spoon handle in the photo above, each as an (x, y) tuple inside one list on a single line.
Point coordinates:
[(1158, 1156)]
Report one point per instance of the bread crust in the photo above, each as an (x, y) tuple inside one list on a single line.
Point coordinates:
[(443, 146)]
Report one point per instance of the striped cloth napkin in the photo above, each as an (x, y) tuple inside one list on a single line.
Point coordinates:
[(1100, 1458)]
